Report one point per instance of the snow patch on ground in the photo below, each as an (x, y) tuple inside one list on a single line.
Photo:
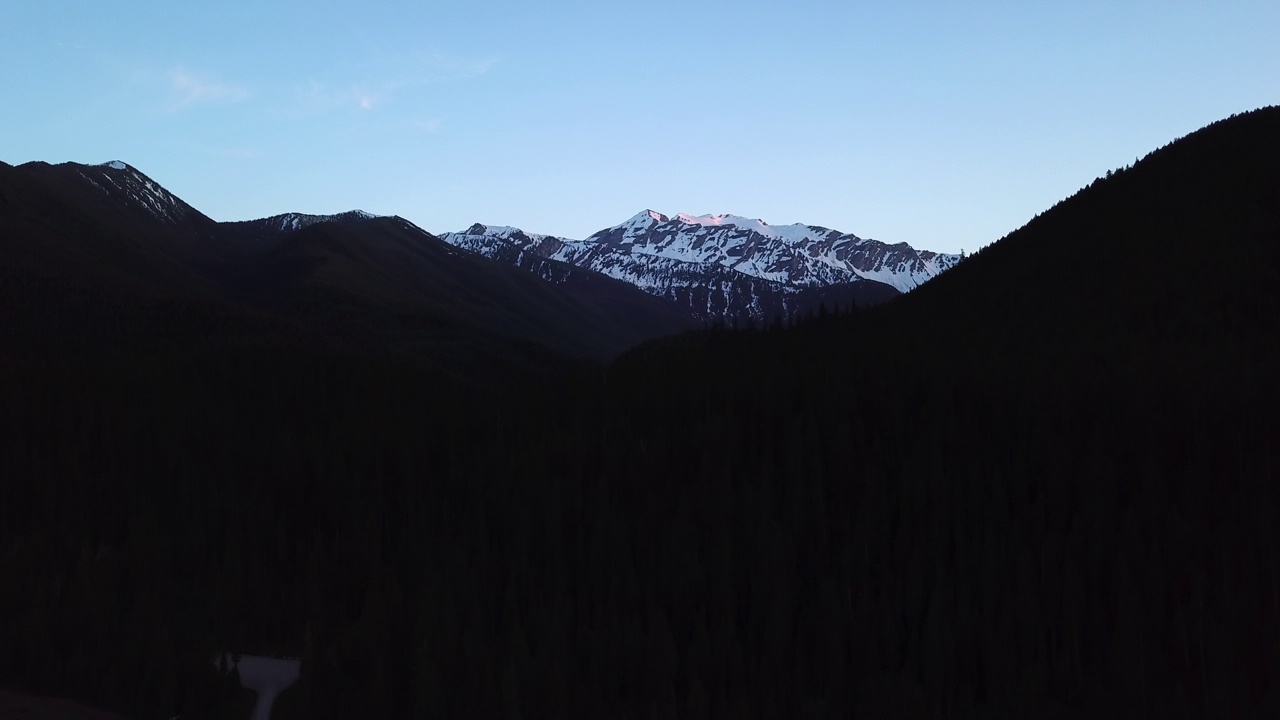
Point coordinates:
[(266, 676)]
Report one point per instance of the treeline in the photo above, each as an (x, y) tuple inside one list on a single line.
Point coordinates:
[(742, 525)]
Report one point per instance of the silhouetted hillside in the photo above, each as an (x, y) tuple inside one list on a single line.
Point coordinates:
[(101, 259), (1174, 247), (1042, 485), (1044, 481)]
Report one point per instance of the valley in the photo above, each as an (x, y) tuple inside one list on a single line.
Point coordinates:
[(496, 474)]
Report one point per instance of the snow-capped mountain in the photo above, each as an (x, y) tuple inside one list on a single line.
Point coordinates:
[(724, 266), (799, 255)]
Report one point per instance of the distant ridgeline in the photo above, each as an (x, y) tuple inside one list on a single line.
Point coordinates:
[(101, 258), (1042, 484), (722, 268)]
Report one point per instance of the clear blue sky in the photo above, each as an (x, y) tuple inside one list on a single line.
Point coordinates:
[(945, 125)]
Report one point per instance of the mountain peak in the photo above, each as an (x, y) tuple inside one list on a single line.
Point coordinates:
[(120, 179), (722, 219), (298, 221), (666, 255), (645, 217), (499, 231), (641, 222)]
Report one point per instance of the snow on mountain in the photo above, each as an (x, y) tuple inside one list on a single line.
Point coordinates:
[(798, 255), (270, 231), (289, 222), (786, 233), (116, 178), (643, 220), (678, 257)]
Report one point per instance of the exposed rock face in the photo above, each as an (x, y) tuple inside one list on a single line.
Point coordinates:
[(724, 267)]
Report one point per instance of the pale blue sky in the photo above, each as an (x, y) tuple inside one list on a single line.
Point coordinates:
[(945, 125)]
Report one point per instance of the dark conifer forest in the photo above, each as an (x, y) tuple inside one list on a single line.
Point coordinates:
[(1044, 484)]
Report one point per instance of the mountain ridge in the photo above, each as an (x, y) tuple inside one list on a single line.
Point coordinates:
[(759, 271), (1041, 486), (100, 250)]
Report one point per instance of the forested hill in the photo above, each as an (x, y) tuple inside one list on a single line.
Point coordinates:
[(1046, 480), (1044, 484), (1180, 243), (100, 260)]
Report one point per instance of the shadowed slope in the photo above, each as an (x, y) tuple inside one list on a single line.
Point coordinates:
[(103, 259), (1044, 482), (1182, 246), (1043, 485), (388, 273)]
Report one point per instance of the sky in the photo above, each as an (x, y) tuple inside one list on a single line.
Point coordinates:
[(945, 125)]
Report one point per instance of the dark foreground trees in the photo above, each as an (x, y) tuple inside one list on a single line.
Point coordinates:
[(1040, 485)]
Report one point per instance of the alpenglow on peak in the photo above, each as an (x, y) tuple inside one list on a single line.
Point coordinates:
[(720, 265)]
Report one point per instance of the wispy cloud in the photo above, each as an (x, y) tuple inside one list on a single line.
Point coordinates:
[(430, 126), (189, 89), (439, 66), (364, 97), (385, 78)]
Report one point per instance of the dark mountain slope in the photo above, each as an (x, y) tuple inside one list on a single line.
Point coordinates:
[(265, 233), (114, 193), (1005, 497), (1043, 483), (99, 258), (118, 221), (1178, 246), (111, 215), (386, 273)]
